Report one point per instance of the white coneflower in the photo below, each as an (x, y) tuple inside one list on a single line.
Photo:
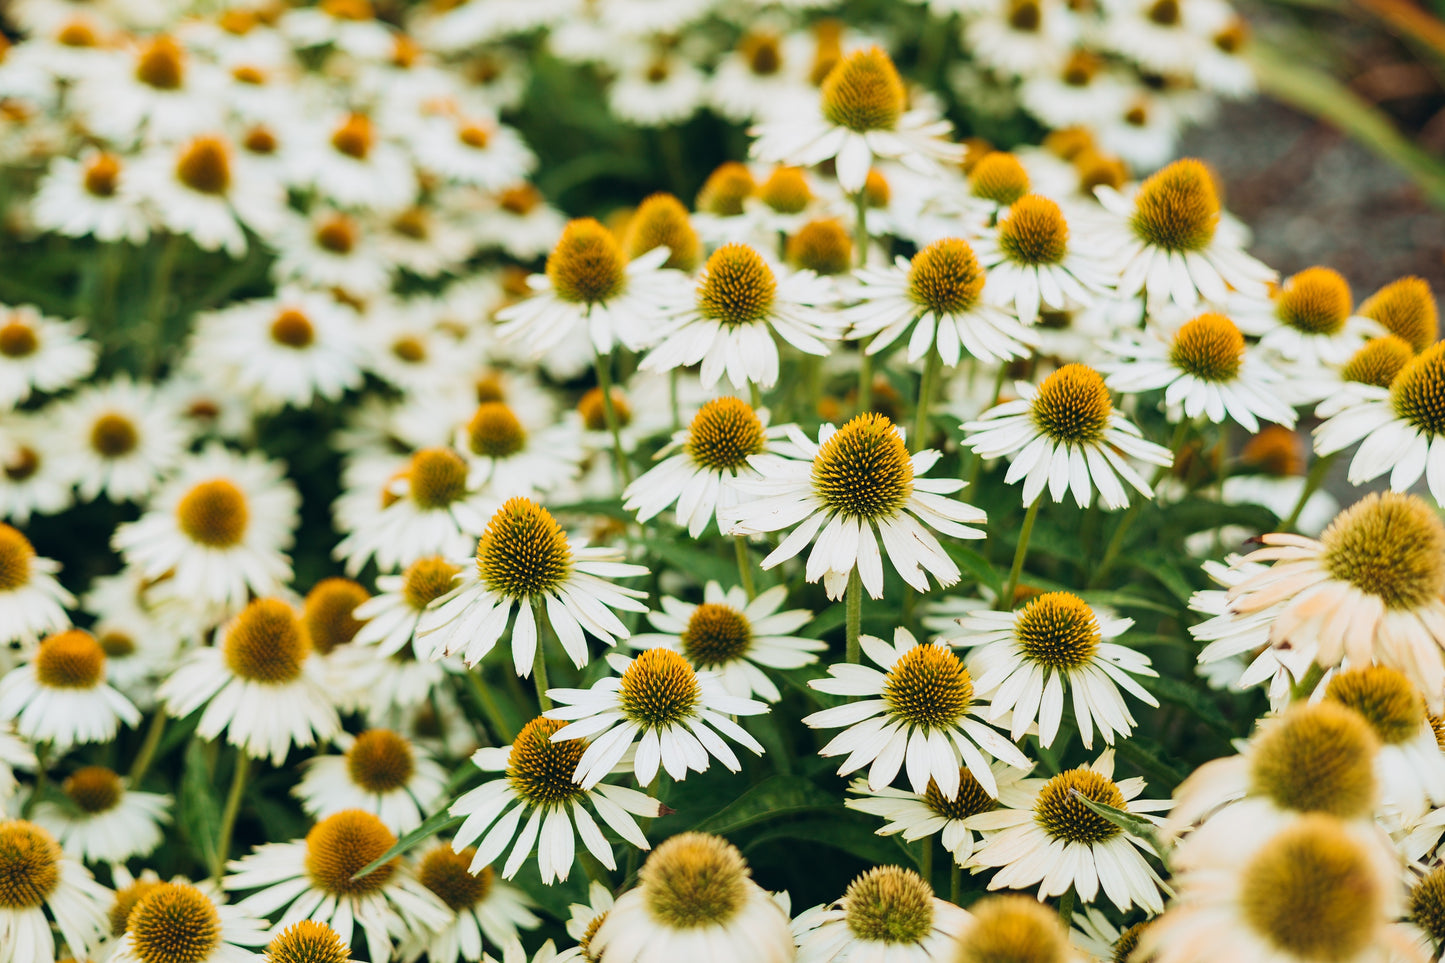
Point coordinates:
[(861, 114), (61, 697), (734, 637), (218, 529), (507, 456), (673, 712), (427, 240), (763, 71), (1013, 928), (157, 90), (589, 289), (1054, 840), (1065, 433), (1425, 909), (38, 353), (1168, 242), (312, 878), (391, 616), (524, 562), (1401, 428), (1034, 260), (586, 917), (855, 486), (331, 249), (656, 89), (38, 876), (698, 464), (205, 190), (33, 480), (15, 753), (923, 815), (519, 221), (887, 913), (538, 783), (32, 602), (1309, 319), (1314, 891), (474, 150), (261, 685), (349, 163), (117, 439), (1370, 590), (102, 820), (1023, 660), (91, 196), (179, 923), (1022, 38), (913, 715), (940, 295), (307, 941), (1406, 308), (381, 772), (729, 326), (281, 351), (1205, 370), (695, 899), (484, 908)]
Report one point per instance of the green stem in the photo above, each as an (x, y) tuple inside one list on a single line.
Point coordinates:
[(1066, 908), (490, 707), (147, 751), (160, 291), (865, 381), (755, 397), (925, 865), (594, 869), (609, 414), (925, 397), (539, 658), (955, 883), (745, 566), (860, 227), (1116, 541), (1313, 480), (228, 815), (854, 602), (672, 399), (1304, 687), (42, 778), (1006, 600), (975, 464)]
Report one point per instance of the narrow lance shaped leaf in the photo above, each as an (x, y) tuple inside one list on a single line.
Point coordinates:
[(436, 823)]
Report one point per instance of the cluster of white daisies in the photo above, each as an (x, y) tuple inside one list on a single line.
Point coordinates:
[(579, 511)]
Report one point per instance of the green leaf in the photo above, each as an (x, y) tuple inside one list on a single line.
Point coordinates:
[(1136, 826), (436, 823), (773, 798), (703, 566), (1196, 701), (198, 815), (855, 837), (973, 563)]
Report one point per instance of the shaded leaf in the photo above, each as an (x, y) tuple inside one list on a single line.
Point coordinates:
[(436, 823)]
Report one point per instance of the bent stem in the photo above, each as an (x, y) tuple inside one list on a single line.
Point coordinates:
[(147, 751), (853, 600), (1005, 601), (925, 396), (609, 414), (745, 566), (539, 657), (1317, 474), (233, 808)]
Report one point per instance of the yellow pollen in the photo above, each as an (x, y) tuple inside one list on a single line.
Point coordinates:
[(495, 431), (823, 247), (716, 634), (661, 221), (1058, 630), (1165, 13), (339, 846), (427, 579), (409, 349), (889, 905), (205, 166), (1275, 450), (737, 287), (1312, 892), (266, 643), (1097, 169), (307, 941), (928, 687), (828, 49), (70, 660), (161, 64), (1014, 929), (1315, 301), (126, 900), (1025, 16), (694, 880), (337, 234), (999, 177), (1317, 758), (786, 190), (327, 613), (876, 192), (1406, 308), (1388, 701), (971, 800), (1378, 361), (102, 175), (113, 435), (115, 644), (1073, 406), (214, 514), (380, 761), (354, 137), (16, 556), (1210, 347), (1034, 231), (1138, 114), (1061, 815), (93, 789), (523, 551), (174, 923), (863, 92), (444, 872), (587, 266), (594, 414), (1081, 69), (405, 52), (1233, 37), (1391, 546), (1069, 142), (723, 433), (1177, 209), (29, 865), (945, 277), (237, 21), (1418, 391), (248, 74), (1427, 904), (77, 32), (539, 769), (260, 140), (863, 470), (413, 223), (725, 189), (762, 52), (520, 200), (437, 477), (24, 462), (18, 339), (292, 329), (659, 689), (349, 9)]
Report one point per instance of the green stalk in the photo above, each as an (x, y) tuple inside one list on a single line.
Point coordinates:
[(609, 414), (1313, 480), (925, 865), (745, 566), (147, 751), (955, 883), (539, 658), (42, 767), (1066, 908), (490, 707), (853, 599), (865, 381), (1006, 600), (228, 815), (925, 397)]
